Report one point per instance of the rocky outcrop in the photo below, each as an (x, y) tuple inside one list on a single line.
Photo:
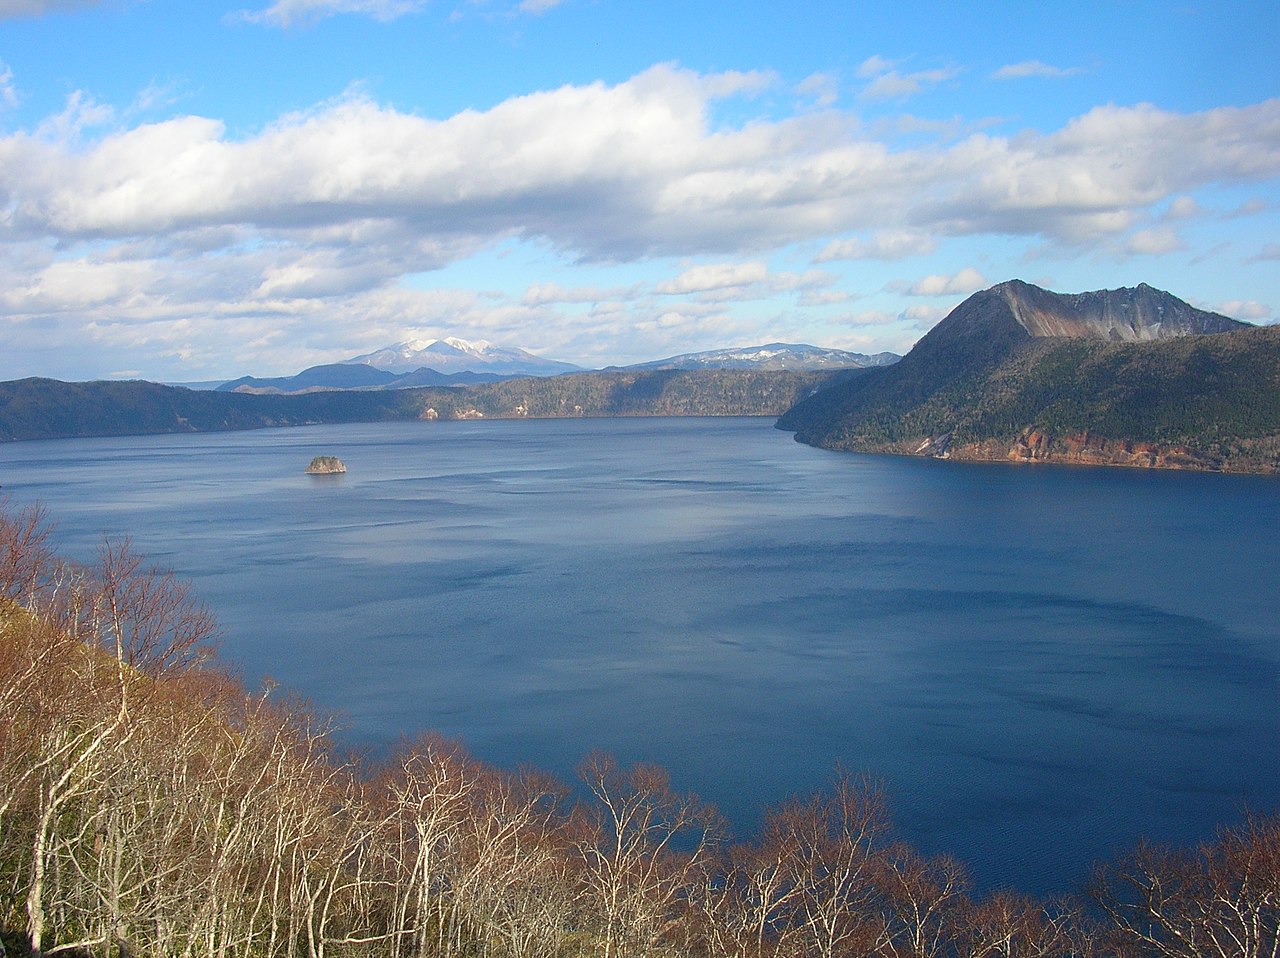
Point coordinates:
[(326, 466), (1085, 448), (1138, 314), (1082, 448)]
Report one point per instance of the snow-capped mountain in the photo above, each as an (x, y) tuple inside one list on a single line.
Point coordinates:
[(772, 356), (452, 355)]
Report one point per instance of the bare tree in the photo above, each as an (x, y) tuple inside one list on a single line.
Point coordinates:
[(148, 618), (836, 837), (645, 849), (512, 886), (26, 559), (429, 787), (1007, 925), (925, 901), (1221, 901), (149, 804)]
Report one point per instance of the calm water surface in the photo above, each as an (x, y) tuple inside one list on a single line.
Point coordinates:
[(1041, 663)]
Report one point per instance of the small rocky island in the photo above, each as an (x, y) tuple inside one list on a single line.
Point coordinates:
[(326, 466)]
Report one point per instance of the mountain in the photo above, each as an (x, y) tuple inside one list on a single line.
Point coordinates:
[(353, 376), (1128, 376), (772, 356), (1140, 314), (47, 409), (378, 370), (423, 376), (453, 355), (329, 376)]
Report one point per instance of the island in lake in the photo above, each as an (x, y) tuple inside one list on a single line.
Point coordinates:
[(326, 466)]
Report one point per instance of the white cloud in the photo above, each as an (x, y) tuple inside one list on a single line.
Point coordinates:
[(1209, 253), (1032, 68), (38, 8), (543, 294), (8, 92), (616, 172), (1271, 251), (824, 297), (538, 6), (1184, 208), (810, 279), (66, 285), (924, 317), (966, 281), (1250, 207), (155, 96), (287, 13), (952, 128), (873, 66), (715, 276), (821, 88), (1155, 242), (1246, 309), (884, 245), (893, 85), (871, 317), (723, 282), (888, 83), (79, 114), (1091, 178), (174, 227)]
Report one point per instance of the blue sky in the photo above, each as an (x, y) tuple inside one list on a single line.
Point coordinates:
[(202, 189)]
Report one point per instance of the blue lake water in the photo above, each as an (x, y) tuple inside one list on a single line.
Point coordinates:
[(1042, 664)]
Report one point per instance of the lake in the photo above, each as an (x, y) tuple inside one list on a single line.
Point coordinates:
[(1041, 663)]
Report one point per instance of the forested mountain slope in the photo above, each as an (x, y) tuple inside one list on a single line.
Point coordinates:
[(1018, 373), (45, 408)]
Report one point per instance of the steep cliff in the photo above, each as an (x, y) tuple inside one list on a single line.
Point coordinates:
[(1135, 314)]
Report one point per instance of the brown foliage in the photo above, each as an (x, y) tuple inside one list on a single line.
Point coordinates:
[(26, 559), (1219, 901), (149, 803)]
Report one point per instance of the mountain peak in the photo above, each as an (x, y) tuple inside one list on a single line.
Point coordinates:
[(771, 356), (454, 355), (1128, 314), (1125, 376), (477, 347)]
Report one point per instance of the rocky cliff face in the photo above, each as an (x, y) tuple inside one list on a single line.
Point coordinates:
[(1085, 448), (1135, 314)]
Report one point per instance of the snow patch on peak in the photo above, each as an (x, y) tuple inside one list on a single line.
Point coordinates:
[(771, 356), (478, 347), (453, 355)]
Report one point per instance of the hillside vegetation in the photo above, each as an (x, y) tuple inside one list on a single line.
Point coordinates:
[(151, 805), (48, 409), (980, 387)]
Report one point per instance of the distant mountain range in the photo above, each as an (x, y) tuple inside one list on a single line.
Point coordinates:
[(772, 356), (349, 376), (47, 409), (457, 362), (452, 355), (1127, 376)]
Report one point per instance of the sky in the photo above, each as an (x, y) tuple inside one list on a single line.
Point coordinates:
[(201, 189)]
